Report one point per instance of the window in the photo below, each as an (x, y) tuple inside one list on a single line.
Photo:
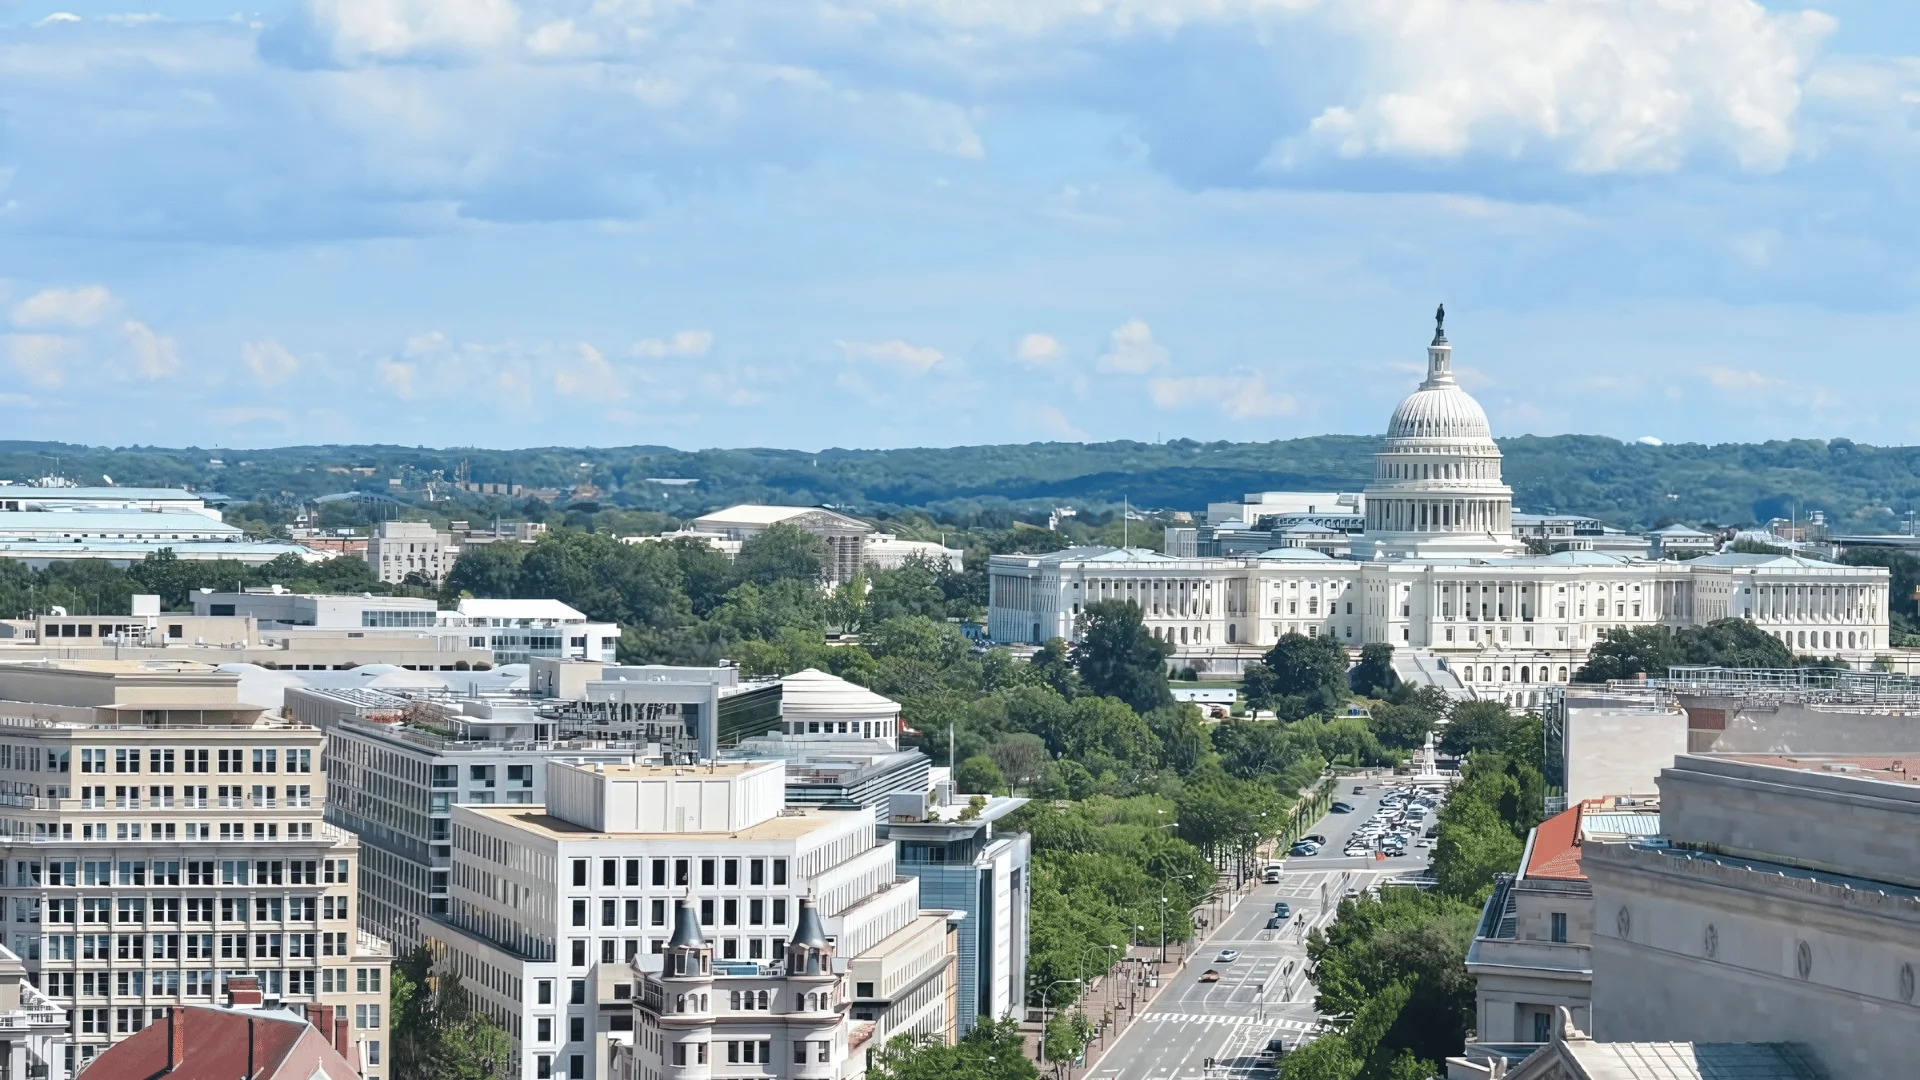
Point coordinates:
[(1559, 922), (731, 872), (579, 913), (633, 873), (579, 875), (126, 761), (756, 871), (706, 871), (579, 952), (659, 913), (576, 1029), (543, 991), (779, 871), (266, 761), (659, 871)]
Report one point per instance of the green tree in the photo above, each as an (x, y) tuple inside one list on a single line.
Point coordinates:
[(1374, 676), (1021, 758), (782, 553), (490, 571), (1116, 656), (979, 773), (436, 1031), (1304, 675), (1478, 725), (1622, 653), (993, 1050), (1734, 643), (1053, 666)]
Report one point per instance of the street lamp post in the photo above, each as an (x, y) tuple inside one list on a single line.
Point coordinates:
[(1041, 1054), (1163, 912)]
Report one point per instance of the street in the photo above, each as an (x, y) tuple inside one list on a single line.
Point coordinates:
[(1263, 993)]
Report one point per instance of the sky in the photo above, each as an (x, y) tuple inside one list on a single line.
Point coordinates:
[(878, 223)]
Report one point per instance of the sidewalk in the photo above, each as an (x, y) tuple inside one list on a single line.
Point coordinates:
[(1138, 999)]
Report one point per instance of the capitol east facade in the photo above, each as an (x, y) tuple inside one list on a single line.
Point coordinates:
[(1439, 574)]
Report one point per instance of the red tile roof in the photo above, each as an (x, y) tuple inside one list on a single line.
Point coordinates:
[(221, 1044), (1556, 851)]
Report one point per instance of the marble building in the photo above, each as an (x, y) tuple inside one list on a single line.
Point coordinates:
[(1439, 574)]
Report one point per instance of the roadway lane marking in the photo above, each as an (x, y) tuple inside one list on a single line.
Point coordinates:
[(1196, 1018)]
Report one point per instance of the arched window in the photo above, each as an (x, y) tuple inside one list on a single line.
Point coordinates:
[(1486, 674), (703, 1003), (1524, 672), (1849, 639), (733, 1000), (1563, 674), (763, 1000), (1506, 674), (679, 1003), (1183, 635), (1467, 672)]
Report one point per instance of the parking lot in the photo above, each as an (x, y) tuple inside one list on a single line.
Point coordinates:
[(1388, 816)]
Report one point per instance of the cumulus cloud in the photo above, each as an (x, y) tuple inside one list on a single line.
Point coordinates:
[(1630, 86), (154, 357), (1729, 378), (914, 359), (350, 31), (1132, 350), (588, 375), (1039, 350), (41, 358), (399, 376), (1054, 423), (1238, 397), (684, 343), (269, 361), (77, 308)]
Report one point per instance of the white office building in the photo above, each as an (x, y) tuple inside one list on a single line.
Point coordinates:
[(512, 631), (160, 835), (563, 917), (1439, 574)]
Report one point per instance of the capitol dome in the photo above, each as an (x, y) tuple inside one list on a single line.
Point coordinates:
[(1436, 487), (1439, 410)]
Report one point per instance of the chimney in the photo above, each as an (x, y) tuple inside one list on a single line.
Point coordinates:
[(176, 1038), (243, 992), (320, 1016), (250, 1041), (340, 1042)]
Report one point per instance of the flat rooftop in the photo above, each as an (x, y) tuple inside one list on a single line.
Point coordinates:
[(790, 825), (658, 772), (1896, 770)]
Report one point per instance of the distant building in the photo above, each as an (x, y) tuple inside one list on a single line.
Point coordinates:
[(156, 500), (885, 551), (45, 530), (845, 537), (1262, 505), (1682, 542), (399, 548)]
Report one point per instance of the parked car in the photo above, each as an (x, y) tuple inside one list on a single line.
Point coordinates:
[(1359, 789), (1304, 848), (1276, 923), (1315, 838), (1340, 808)]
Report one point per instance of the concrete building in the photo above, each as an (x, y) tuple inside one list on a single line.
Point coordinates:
[(885, 551), (1785, 906), (845, 537), (399, 548), (1533, 951), (517, 631), (189, 848), (121, 537), (28, 497), (560, 923), (1438, 573), (34, 1032)]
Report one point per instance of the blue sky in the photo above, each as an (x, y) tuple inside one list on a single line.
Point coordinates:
[(814, 223)]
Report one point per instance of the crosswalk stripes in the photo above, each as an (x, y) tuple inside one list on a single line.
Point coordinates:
[(1214, 1018)]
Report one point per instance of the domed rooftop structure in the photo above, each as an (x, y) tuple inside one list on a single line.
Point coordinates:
[(814, 702), (1436, 487)]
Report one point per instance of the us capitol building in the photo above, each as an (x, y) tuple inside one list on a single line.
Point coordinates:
[(1439, 573)]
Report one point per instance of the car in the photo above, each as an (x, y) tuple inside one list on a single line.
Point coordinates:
[(1270, 876), (1340, 808), (1227, 956), (1425, 842), (1315, 838), (1276, 1048), (1276, 923), (1359, 789), (1209, 975), (1304, 848), (1283, 910)]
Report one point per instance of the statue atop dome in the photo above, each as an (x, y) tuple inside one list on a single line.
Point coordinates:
[(1440, 325)]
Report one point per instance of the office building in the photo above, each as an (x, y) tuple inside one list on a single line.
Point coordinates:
[(1533, 950), (54, 496), (398, 761), (43, 531), (1784, 906), (1437, 572), (564, 922), (161, 836), (399, 548), (518, 631)]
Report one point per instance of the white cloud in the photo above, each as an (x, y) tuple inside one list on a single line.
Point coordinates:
[(1039, 350), (1054, 423), (916, 359), (1238, 397), (684, 343), (269, 361), (41, 358), (400, 376), (588, 375), (85, 306), (154, 356), (1132, 350), (384, 30), (1630, 85), (1727, 378)]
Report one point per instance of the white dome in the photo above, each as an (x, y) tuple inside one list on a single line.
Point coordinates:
[(1439, 410), (813, 694)]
